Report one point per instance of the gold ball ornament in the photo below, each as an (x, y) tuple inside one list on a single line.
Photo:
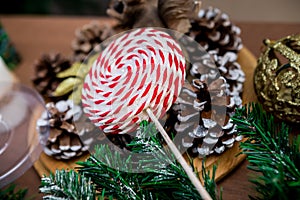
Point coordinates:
[(277, 78)]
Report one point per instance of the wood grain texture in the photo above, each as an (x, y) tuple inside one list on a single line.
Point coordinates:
[(226, 162)]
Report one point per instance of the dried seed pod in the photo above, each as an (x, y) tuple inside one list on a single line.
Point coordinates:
[(176, 14), (135, 13)]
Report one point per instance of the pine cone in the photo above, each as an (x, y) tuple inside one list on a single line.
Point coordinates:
[(231, 70), (67, 140), (46, 69), (201, 115), (72, 134), (88, 38), (214, 31)]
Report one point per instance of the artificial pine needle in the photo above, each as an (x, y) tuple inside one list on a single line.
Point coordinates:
[(164, 180), (268, 148), (269, 152)]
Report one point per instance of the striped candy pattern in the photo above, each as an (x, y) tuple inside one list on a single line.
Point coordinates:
[(144, 68)]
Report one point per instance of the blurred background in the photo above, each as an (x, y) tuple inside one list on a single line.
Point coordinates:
[(55, 7), (239, 10)]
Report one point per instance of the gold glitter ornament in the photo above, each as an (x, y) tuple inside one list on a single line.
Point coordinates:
[(277, 78)]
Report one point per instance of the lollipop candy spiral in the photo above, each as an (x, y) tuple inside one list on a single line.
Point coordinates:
[(144, 68)]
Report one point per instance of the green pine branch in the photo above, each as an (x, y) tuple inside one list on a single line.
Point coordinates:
[(270, 152), (162, 176), (10, 193), (67, 185), (209, 182)]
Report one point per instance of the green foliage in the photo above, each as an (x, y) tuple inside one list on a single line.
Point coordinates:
[(7, 50), (209, 182), (115, 176), (67, 185), (269, 152), (10, 193)]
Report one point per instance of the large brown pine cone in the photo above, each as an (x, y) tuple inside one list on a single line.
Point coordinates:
[(212, 91), (46, 69), (214, 31)]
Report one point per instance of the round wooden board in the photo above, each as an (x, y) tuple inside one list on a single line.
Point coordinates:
[(226, 162)]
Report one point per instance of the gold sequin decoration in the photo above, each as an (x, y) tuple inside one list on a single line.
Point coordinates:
[(277, 78)]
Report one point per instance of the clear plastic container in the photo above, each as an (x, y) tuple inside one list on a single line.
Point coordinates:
[(21, 142)]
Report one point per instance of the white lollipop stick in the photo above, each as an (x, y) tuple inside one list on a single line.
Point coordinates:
[(204, 194)]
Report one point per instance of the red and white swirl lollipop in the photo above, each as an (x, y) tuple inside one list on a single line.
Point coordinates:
[(139, 75), (142, 69)]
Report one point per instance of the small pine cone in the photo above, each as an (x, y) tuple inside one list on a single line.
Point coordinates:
[(214, 31), (66, 140), (46, 69), (72, 134), (88, 39)]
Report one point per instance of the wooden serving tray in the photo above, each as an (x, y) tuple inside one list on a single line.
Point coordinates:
[(226, 162)]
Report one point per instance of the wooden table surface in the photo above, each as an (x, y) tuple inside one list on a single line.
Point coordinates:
[(35, 35)]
